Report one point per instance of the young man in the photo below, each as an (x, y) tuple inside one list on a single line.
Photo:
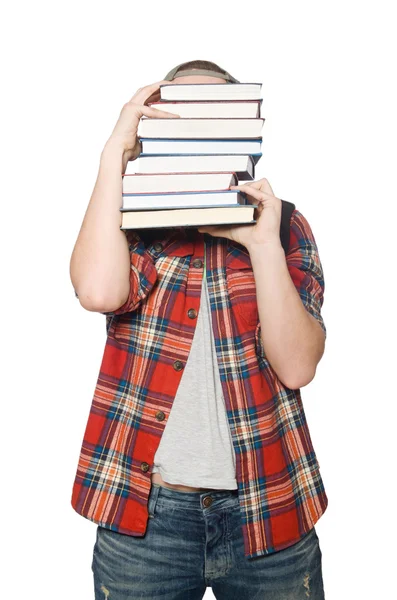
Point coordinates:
[(197, 464)]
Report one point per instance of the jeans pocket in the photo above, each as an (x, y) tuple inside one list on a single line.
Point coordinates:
[(152, 501)]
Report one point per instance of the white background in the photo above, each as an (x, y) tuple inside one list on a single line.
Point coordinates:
[(329, 144)]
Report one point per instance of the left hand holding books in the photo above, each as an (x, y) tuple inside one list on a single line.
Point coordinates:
[(268, 217)]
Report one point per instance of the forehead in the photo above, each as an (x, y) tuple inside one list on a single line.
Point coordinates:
[(197, 79)]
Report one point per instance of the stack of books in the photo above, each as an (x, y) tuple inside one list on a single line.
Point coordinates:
[(187, 165)]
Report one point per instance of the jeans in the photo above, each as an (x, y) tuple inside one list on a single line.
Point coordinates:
[(190, 545)]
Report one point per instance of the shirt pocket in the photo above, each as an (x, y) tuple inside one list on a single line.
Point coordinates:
[(127, 329), (242, 293)]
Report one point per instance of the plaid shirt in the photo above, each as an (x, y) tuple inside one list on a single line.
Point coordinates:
[(280, 489)]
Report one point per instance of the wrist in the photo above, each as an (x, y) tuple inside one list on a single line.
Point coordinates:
[(113, 147), (267, 255), (271, 245), (113, 154)]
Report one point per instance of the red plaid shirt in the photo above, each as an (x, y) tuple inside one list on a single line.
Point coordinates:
[(280, 489)]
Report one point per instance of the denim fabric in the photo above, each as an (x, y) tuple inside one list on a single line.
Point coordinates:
[(194, 541)]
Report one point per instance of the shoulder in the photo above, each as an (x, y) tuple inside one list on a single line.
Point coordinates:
[(300, 228)]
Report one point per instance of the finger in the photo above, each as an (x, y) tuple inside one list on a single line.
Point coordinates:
[(156, 113), (266, 187), (212, 229), (145, 92), (152, 99), (251, 191), (261, 184), (246, 190)]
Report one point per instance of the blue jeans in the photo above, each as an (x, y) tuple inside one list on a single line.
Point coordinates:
[(190, 545)]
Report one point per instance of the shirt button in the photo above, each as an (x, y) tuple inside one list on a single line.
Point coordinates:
[(144, 466), (207, 501), (197, 263), (158, 247), (192, 313), (178, 365), (160, 416)]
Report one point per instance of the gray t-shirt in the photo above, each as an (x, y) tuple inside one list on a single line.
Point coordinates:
[(196, 447)]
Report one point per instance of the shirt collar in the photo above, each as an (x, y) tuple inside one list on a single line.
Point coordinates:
[(177, 243)]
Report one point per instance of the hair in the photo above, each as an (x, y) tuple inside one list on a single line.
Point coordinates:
[(200, 64)]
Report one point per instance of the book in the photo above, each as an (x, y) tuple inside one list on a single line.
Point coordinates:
[(242, 165), (225, 128), (201, 199), (188, 217), (211, 109), (198, 153), (210, 91), (193, 146), (138, 183)]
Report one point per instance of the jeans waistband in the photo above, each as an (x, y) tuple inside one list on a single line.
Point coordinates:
[(194, 497)]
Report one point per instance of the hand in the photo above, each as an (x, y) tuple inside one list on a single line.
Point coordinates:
[(126, 129), (268, 216)]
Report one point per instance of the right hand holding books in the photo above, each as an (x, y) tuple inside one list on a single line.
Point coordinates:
[(125, 132)]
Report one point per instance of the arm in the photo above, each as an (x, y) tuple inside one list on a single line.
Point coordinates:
[(290, 291), (110, 274), (99, 266)]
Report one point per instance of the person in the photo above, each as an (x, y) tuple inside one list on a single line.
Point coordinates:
[(197, 463)]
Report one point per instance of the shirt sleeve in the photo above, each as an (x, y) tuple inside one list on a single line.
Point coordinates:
[(305, 267), (143, 275)]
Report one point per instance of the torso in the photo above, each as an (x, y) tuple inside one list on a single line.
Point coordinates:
[(156, 478)]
